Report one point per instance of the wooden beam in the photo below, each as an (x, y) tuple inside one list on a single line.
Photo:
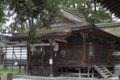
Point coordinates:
[(116, 9), (105, 3), (41, 44), (115, 4), (109, 4)]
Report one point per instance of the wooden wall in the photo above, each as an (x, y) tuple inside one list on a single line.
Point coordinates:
[(71, 55)]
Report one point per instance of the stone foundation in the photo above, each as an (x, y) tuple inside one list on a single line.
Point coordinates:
[(117, 70)]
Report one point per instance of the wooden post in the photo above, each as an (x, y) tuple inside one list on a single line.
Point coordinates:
[(43, 57), (28, 59), (0, 57), (66, 53), (20, 59), (84, 48), (51, 60), (66, 70), (94, 54), (61, 70), (12, 57), (5, 67), (92, 72), (88, 72), (84, 53), (111, 17)]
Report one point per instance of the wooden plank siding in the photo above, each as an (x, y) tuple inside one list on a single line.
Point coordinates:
[(72, 56)]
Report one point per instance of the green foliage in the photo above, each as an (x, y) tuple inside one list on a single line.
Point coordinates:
[(1, 50), (31, 14), (9, 71), (86, 8)]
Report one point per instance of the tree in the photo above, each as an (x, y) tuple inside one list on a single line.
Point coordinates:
[(92, 11), (3, 17), (30, 13)]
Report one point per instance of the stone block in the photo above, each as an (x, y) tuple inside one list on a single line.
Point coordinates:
[(7, 76)]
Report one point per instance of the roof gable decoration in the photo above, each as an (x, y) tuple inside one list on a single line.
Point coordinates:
[(55, 22), (69, 17)]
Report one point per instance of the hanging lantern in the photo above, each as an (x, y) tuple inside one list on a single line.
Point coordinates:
[(32, 49), (56, 48)]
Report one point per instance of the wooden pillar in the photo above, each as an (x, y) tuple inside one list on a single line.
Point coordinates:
[(66, 46), (94, 54), (51, 60), (88, 71), (28, 60), (20, 59), (66, 69), (111, 19), (92, 72), (5, 58), (84, 53), (61, 71), (84, 47), (0, 57), (12, 58), (43, 57), (25, 69), (79, 72)]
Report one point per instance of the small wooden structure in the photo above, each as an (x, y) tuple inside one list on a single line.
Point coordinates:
[(13, 55), (72, 46)]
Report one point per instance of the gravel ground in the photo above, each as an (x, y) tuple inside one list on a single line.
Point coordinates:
[(21, 79)]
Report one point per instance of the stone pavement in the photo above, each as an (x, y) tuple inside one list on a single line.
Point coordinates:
[(26, 77)]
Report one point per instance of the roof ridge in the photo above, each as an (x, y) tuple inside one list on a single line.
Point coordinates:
[(73, 12)]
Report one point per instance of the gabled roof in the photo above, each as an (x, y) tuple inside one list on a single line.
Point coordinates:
[(74, 16), (4, 40), (64, 32), (69, 17), (73, 12), (54, 31), (60, 25), (106, 25), (113, 28), (80, 25)]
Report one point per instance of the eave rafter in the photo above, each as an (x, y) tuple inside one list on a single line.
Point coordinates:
[(112, 5)]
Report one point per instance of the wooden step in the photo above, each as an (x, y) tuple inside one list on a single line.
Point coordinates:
[(103, 71)]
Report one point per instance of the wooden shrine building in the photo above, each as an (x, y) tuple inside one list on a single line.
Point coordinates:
[(71, 45)]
